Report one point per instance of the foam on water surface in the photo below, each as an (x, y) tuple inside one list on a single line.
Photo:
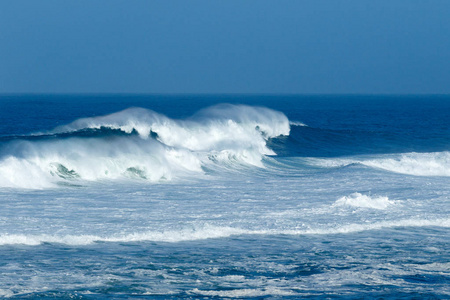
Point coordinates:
[(417, 164), (365, 201), (211, 232)]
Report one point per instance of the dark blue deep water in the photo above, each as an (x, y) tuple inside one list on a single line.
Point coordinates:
[(212, 197)]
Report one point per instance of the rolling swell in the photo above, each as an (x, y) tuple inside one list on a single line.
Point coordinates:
[(140, 143), (308, 141)]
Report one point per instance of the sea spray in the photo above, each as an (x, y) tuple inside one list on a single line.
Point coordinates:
[(92, 148)]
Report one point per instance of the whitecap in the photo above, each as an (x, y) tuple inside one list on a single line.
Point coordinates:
[(364, 201)]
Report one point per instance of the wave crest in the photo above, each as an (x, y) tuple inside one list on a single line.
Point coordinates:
[(364, 201), (417, 164), (209, 231), (162, 148)]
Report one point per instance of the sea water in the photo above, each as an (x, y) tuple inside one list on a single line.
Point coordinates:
[(122, 196)]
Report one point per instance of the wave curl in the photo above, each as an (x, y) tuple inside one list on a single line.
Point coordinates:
[(140, 143)]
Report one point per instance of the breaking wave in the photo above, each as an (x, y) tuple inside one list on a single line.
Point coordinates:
[(417, 164), (211, 231), (364, 201), (140, 143)]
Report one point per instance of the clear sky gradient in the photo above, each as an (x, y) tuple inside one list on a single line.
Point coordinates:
[(233, 46)]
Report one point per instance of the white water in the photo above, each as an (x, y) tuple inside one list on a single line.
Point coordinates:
[(214, 128), (210, 232), (297, 123), (364, 201), (417, 164), (218, 135)]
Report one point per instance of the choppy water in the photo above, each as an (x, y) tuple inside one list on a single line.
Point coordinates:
[(263, 197)]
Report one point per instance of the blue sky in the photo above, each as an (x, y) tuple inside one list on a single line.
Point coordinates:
[(207, 46)]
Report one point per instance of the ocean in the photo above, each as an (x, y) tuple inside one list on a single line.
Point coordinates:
[(224, 197)]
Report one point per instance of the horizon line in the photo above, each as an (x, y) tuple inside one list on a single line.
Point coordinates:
[(217, 94)]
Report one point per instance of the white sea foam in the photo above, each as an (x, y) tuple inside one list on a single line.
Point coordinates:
[(211, 231), (220, 134), (43, 164), (6, 293), (214, 128), (239, 293), (297, 123), (188, 234), (417, 164), (364, 201), (356, 227), (24, 173)]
